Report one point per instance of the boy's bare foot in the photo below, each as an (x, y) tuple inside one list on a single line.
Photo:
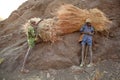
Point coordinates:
[(82, 64), (24, 70), (90, 65)]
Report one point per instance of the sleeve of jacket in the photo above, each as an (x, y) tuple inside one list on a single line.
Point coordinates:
[(82, 29), (92, 29)]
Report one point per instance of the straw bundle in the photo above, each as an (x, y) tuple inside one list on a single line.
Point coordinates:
[(47, 30), (99, 20), (71, 18)]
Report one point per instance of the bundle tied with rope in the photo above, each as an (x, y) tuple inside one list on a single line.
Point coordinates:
[(68, 19), (48, 30), (71, 18)]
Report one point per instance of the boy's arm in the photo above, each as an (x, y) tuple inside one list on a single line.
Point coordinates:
[(82, 30), (31, 32), (92, 32)]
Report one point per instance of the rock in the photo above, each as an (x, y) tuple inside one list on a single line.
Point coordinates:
[(4, 79), (48, 75)]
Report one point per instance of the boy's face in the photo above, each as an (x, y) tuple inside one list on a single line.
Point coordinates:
[(33, 23), (89, 24)]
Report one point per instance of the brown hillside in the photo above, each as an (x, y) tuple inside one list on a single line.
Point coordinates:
[(63, 53)]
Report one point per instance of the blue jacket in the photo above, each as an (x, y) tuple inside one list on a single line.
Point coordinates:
[(85, 28)]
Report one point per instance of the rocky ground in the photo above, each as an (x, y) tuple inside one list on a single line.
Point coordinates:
[(105, 70), (59, 61)]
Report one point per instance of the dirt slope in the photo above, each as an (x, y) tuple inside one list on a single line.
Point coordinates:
[(61, 54)]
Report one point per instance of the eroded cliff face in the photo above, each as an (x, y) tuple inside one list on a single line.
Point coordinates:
[(63, 53)]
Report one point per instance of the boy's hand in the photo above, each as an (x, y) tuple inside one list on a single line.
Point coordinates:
[(89, 33)]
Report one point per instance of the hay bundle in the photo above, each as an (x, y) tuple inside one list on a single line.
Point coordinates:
[(99, 20), (71, 18), (47, 30)]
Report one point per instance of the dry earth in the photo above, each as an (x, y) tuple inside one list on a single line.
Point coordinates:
[(60, 60)]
